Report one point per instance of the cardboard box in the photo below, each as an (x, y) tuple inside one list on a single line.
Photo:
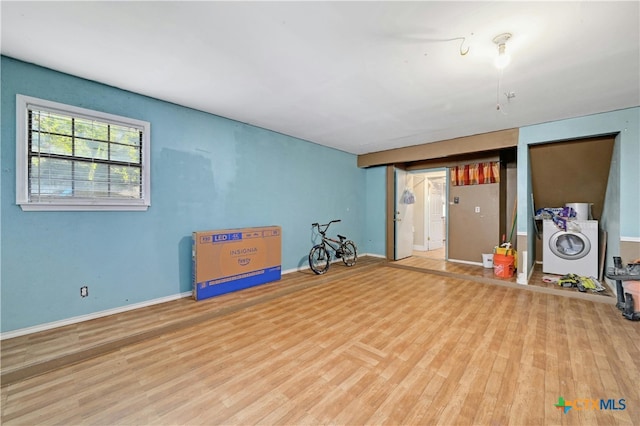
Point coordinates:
[(232, 259)]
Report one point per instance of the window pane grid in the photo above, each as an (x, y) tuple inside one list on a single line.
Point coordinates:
[(79, 158)]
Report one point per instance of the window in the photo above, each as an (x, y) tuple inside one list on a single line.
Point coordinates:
[(70, 158)]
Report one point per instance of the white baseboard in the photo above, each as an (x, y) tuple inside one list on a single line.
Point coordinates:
[(524, 276), (88, 317), (305, 267), (630, 239), (420, 248), (466, 262), (381, 256)]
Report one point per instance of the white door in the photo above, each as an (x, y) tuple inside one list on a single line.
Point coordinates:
[(403, 219), (436, 201)]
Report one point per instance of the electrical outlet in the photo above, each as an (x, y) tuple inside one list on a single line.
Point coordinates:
[(477, 209), (84, 291)]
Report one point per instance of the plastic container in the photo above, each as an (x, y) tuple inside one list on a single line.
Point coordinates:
[(487, 260), (583, 210), (503, 265)]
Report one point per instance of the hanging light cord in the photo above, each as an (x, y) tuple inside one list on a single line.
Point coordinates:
[(498, 105)]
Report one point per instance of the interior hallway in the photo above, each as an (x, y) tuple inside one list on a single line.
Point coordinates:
[(431, 254)]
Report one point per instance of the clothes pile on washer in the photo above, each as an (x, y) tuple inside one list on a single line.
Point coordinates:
[(559, 215)]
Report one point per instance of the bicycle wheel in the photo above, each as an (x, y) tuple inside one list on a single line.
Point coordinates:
[(349, 253), (319, 259)]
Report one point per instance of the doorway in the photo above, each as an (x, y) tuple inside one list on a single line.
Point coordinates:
[(403, 213), (430, 216), (585, 166), (419, 213), (489, 208)]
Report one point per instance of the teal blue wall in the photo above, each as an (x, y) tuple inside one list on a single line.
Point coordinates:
[(207, 172), (622, 208), (375, 207)]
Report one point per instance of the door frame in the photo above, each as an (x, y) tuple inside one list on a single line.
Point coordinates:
[(390, 213), (390, 208), (427, 218)]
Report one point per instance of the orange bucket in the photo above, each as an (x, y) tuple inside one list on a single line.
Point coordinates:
[(503, 265)]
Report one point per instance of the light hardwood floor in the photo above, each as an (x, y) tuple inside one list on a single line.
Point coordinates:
[(431, 254), (380, 343)]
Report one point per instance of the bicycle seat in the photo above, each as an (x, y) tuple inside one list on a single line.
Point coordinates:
[(342, 237)]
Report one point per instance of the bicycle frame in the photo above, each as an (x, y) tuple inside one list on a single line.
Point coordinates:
[(326, 241), (320, 255)]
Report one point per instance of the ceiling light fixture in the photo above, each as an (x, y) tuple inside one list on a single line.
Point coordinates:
[(503, 59)]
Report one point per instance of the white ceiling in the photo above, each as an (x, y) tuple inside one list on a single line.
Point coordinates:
[(357, 76)]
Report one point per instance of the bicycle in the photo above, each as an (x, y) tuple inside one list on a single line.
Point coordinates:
[(319, 256)]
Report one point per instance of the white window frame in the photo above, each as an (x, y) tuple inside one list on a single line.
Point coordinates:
[(23, 103)]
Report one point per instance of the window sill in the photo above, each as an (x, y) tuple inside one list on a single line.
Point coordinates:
[(82, 207)]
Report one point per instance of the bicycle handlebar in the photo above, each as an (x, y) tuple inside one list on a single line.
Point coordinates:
[(326, 225)]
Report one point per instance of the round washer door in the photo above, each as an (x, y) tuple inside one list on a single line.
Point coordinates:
[(569, 245)]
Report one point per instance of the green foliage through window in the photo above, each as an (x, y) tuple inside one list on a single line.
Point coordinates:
[(82, 158)]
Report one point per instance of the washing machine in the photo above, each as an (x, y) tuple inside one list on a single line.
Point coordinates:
[(574, 251)]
